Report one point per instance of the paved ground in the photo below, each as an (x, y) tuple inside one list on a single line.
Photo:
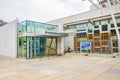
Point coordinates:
[(69, 67)]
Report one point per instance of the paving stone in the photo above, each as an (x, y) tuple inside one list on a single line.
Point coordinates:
[(8, 74), (60, 68), (49, 72)]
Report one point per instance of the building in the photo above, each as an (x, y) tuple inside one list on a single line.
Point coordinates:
[(30, 39), (94, 26)]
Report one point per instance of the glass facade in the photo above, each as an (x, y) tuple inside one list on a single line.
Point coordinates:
[(32, 46)]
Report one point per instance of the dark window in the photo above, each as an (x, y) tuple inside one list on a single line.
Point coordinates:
[(118, 24), (113, 32), (96, 33), (20, 43), (112, 26), (96, 26), (104, 28)]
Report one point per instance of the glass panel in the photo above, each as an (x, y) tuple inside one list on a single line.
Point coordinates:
[(52, 51), (22, 47), (22, 27), (40, 46), (104, 28), (36, 47), (54, 43), (89, 29), (37, 26)]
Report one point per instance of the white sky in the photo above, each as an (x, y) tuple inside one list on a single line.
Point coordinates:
[(40, 10)]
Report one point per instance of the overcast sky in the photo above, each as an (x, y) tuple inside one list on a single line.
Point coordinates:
[(40, 10)]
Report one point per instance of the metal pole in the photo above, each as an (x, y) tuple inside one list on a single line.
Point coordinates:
[(91, 1)]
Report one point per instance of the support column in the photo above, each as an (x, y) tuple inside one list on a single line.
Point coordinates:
[(60, 40)]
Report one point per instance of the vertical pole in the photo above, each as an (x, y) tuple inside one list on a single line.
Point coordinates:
[(111, 45), (115, 24)]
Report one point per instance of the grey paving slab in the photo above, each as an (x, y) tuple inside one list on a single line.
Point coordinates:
[(69, 67)]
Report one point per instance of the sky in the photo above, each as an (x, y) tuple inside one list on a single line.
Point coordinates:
[(40, 10)]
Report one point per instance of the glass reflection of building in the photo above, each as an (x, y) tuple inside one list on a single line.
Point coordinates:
[(33, 40)]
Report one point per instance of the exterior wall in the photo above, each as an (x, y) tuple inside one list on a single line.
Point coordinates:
[(60, 40), (8, 39), (69, 41), (88, 15), (91, 17)]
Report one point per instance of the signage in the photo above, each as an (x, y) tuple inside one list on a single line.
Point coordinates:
[(85, 45)]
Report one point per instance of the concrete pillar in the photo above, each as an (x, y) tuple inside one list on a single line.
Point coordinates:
[(119, 46), (60, 45), (60, 40)]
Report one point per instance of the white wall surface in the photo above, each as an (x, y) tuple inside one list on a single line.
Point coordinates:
[(69, 40), (60, 45), (88, 15), (60, 40), (8, 39)]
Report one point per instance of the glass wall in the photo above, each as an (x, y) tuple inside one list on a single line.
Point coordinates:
[(36, 46), (51, 46)]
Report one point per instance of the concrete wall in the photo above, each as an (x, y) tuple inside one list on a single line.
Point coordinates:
[(88, 15), (8, 39), (60, 40), (69, 41)]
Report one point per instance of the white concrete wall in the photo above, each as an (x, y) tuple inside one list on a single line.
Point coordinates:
[(8, 39), (69, 41), (60, 40), (60, 45)]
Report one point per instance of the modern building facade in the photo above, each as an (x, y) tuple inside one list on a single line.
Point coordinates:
[(30, 39), (96, 27)]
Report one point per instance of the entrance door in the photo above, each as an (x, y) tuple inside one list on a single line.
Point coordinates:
[(40, 46)]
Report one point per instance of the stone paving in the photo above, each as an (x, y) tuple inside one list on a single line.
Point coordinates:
[(69, 67)]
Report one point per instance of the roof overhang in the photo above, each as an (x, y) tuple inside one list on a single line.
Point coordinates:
[(43, 34)]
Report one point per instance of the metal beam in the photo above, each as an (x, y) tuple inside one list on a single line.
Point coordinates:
[(91, 1)]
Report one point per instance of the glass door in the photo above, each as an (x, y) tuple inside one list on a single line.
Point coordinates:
[(22, 47), (30, 47), (40, 46)]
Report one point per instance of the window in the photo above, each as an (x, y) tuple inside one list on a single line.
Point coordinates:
[(90, 36), (96, 33), (82, 35), (89, 29), (96, 26), (112, 26), (105, 42), (118, 24), (113, 32), (104, 28)]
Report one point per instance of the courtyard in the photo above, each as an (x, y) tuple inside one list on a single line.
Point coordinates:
[(67, 67)]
